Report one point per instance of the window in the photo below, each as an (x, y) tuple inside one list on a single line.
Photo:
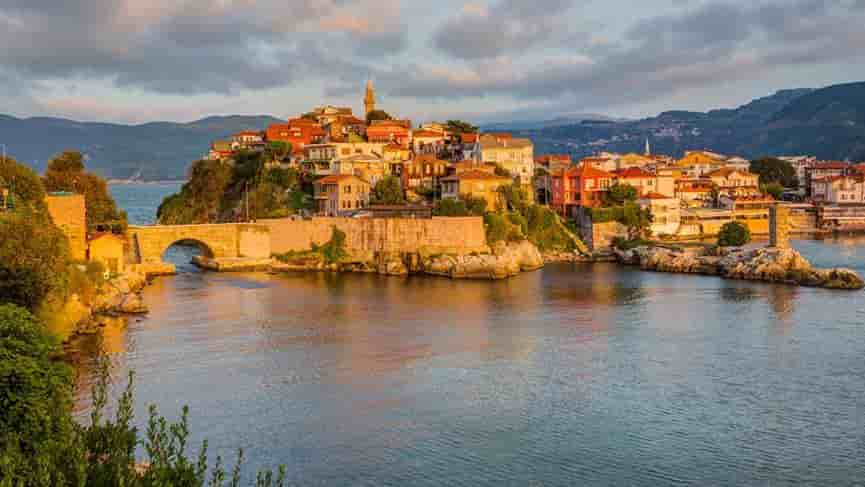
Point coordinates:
[(348, 189)]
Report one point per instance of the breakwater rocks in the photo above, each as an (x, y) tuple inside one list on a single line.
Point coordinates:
[(780, 265), (120, 295), (502, 261)]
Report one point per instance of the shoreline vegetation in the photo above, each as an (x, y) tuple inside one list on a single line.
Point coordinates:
[(41, 441)]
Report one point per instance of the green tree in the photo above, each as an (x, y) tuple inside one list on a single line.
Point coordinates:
[(377, 115), (35, 403), (201, 197), (773, 170), (66, 173), (773, 189), (450, 207), (24, 185), (515, 197), (619, 194), (388, 191), (34, 259), (278, 150), (636, 219), (461, 127), (501, 171), (733, 234)]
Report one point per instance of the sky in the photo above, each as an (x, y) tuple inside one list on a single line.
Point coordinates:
[(134, 61)]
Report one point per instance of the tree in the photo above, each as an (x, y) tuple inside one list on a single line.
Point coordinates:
[(515, 197), (388, 191), (618, 194), (310, 116), (498, 170), (637, 219), (461, 127), (377, 115), (773, 170), (36, 424), (66, 173), (34, 259), (773, 189), (279, 150), (733, 234), (24, 185)]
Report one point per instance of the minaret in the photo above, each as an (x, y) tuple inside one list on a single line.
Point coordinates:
[(648, 148), (369, 98)]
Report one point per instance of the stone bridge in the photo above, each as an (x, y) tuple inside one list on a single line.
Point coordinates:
[(226, 240)]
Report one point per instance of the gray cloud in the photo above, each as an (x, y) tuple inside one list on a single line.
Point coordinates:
[(706, 46), (207, 46), (505, 27)]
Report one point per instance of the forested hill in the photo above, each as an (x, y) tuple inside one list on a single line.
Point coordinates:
[(151, 151), (828, 123)]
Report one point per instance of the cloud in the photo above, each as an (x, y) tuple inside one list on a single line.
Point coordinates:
[(186, 47), (698, 48), (485, 31)]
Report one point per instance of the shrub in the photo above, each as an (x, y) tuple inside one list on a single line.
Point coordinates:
[(499, 228), (733, 234), (388, 191), (619, 194)]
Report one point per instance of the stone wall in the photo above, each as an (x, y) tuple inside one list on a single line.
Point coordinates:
[(253, 241), (435, 235), (599, 236), (68, 212), (229, 240)]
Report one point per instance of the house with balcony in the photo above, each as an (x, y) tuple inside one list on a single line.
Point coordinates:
[(341, 194)]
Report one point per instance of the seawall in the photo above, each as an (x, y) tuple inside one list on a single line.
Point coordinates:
[(460, 235)]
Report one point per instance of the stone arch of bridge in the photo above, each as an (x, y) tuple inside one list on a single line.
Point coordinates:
[(205, 249)]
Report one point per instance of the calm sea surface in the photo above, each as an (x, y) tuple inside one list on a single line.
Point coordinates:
[(573, 375)]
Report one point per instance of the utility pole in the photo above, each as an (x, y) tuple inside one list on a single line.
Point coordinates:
[(246, 200)]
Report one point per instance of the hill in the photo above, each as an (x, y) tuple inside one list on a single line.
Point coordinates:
[(828, 123), (150, 151)]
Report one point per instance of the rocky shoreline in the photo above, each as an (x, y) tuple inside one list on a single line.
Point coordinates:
[(119, 296), (777, 265), (503, 260)]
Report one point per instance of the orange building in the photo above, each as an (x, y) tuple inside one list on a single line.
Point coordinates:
[(477, 184), (338, 194), (298, 132), (389, 131), (68, 211)]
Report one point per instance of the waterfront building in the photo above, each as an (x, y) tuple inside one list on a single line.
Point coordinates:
[(580, 186), (694, 192), (844, 190), (108, 250), (220, 149), (341, 194), (823, 170), (732, 181), (666, 213), (477, 184)]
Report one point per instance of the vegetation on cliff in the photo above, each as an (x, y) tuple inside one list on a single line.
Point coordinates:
[(66, 173), (388, 191), (247, 188)]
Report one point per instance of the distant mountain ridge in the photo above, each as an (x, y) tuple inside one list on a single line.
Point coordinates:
[(149, 151), (828, 123)]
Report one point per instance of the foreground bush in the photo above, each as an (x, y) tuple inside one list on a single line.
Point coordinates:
[(42, 445)]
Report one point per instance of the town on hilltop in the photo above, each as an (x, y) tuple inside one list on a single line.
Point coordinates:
[(691, 197)]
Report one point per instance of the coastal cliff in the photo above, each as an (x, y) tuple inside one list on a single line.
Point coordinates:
[(79, 315), (779, 265)]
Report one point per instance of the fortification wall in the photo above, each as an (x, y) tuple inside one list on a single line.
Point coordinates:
[(68, 212), (435, 235)]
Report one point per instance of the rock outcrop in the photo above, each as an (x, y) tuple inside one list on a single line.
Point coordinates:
[(781, 265), (502, 261)]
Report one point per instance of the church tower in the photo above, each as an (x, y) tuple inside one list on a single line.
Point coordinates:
[(369, 98), (648, 148)]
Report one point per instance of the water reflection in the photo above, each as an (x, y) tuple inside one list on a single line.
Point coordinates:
[(574, 375)]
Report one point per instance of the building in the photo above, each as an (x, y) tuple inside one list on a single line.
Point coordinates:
[(666, 213), (327, 114), (219, 150), (580, 186), (729, 180), (317, 158), (476, 184), (603, 162), (822, 170), (68, 211), (108, 250), (752, 211), (427, 141), (553, 162), (647, 182), (517, 156), (839, 190), (247, 140), (341, 194), (298, 132), (389, 132), (346, 128), (369, 97), (369, 167), (694, 192), (423, 171), (698, 163)]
